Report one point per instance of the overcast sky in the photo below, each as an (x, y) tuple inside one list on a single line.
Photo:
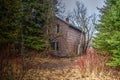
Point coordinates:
[(90, 4)]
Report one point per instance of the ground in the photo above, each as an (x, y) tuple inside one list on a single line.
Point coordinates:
[(86, 67)]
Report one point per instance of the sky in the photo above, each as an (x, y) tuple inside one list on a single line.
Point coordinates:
[(90, 4)]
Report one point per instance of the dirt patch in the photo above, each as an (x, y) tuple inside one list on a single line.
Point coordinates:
[(49, 63)]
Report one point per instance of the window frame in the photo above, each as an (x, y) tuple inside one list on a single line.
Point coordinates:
[(55, 45), (57, 28)]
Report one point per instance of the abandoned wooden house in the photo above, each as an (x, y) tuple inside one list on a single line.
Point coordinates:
[(65, 40)]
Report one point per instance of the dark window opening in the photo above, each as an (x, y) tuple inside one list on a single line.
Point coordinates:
[(54, 46), (57, 47), (58, 28)]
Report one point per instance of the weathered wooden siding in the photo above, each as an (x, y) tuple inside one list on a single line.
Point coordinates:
[(62, 38), (73, 39), (68, 39)]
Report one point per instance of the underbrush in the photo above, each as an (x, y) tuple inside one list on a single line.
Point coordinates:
[(94, 66), (33, 66), (14, 67)]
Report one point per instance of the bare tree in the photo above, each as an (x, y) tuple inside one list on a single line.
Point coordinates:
[(85, 23), (60, 8)]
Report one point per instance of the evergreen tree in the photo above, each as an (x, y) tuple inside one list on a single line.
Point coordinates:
[(10, 14), (108, 37), (25, 21), (36, 13)]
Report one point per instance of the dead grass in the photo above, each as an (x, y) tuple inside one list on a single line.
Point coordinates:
[(87, 67)]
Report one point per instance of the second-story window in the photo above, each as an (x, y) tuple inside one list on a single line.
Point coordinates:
[(58, 28)]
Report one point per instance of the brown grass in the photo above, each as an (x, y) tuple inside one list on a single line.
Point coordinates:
[(34, 67), (94, 66)]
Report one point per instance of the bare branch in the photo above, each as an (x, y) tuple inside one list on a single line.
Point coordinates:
[(86, 23)]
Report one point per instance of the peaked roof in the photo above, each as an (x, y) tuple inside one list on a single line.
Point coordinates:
[(70, 25)]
